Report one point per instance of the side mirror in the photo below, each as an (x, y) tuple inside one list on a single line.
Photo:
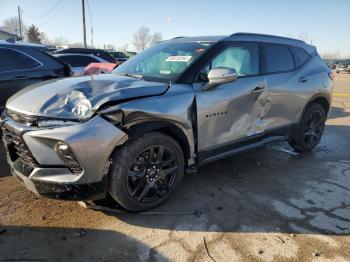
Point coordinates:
[(218, 76)]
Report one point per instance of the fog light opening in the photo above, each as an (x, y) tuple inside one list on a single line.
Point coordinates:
[(66, 155)]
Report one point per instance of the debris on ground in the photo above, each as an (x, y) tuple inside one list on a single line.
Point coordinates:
[(281, 239), (207, 250), (317, 253), (81, 233)]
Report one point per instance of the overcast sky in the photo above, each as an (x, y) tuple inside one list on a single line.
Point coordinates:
[(114, 21)]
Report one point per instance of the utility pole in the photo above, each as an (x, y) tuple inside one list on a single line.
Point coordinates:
[(84, 27), (19, 22)]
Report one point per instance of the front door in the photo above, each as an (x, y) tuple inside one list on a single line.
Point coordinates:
[(234, 111)]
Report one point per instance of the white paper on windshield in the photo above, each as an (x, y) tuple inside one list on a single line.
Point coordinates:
[(179, 58)]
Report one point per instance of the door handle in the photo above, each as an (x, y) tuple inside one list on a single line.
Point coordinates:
[(258, 90), (304, 79)]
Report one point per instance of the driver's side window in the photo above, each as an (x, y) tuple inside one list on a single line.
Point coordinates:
[(244, 58)]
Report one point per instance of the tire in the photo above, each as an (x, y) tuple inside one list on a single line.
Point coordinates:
[(134, 172), (310, 129)]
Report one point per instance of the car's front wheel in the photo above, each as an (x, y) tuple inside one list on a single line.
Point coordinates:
[(310, 129), (145, 171)]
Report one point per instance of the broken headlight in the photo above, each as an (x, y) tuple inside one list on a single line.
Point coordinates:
[(81, 105)]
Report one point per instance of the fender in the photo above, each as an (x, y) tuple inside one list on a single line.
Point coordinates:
[(169, 114)]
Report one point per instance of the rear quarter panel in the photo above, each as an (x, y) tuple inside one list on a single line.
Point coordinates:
[(289, 95)]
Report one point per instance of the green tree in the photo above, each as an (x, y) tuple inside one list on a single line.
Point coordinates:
[(33, 35)]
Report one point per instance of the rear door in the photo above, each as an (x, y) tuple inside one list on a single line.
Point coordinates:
[(231, 112), (286, 82)]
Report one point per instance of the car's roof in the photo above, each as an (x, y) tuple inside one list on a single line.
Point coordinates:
[(23, 44), (248, 37)]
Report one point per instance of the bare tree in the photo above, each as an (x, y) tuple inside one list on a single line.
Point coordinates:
[(123, 48), (77, 44), (44, 38), (331, 55), (156, 37), (110, 46), (142, 38), (59, 41), (12, 25)]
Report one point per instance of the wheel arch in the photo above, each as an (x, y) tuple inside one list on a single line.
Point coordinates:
[(322, 99), (168, 128)]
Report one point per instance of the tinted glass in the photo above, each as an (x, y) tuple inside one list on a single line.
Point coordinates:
[(77, 60), (277, 59), (300, 56), (244, 58), (13, 60)]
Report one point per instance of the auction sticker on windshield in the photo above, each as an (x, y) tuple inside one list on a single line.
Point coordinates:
[(179, 58)]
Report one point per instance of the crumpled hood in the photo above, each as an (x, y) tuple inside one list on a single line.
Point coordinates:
[(52, 98)]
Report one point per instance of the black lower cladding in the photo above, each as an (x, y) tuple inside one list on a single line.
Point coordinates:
[(73, 192)]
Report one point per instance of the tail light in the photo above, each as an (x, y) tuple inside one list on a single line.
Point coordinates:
[(331, 75)]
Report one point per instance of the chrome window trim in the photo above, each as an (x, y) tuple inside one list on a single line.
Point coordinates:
[(29, 56)]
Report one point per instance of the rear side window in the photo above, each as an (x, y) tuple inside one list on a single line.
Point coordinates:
[(277, 59), (77, 60), (300, 56), (12, 60)]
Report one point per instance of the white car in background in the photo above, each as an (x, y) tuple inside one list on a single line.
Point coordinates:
[(79, 61)]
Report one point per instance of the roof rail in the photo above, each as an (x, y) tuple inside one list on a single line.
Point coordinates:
[(265, 35), (178, 37)]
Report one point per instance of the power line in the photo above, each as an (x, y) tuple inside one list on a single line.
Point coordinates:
[(54, 16), (45, 14)]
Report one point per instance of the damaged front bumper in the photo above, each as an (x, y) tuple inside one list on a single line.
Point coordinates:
[(69, 162)]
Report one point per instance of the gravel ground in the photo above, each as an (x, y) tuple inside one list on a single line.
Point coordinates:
[(265, 205)]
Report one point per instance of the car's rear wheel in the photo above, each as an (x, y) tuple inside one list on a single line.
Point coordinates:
[(145, 171), (310, 129)]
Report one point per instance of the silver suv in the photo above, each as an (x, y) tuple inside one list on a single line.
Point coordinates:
[(178, 105)]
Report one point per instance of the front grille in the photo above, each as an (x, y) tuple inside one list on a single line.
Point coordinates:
[(19, 153)]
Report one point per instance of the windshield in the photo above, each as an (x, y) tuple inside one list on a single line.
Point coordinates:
[(165, 61)]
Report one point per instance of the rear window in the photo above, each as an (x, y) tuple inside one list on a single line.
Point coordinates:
[(77, 60), (300, 56), (277, 59), (12, 60)]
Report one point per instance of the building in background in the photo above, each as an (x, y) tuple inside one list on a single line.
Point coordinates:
[(4, 35)]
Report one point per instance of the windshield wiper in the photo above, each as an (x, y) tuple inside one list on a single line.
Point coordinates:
[(137, 76)]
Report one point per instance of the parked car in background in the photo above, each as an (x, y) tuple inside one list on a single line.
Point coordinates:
[(78, 62), (119, 56), (96, 52), (343, 66), (178, 105), (22, 64)]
